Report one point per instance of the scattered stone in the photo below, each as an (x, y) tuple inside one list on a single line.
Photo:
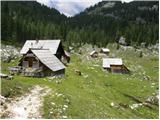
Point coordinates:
[(9, 53), (85, 76), (58, 95), (153, 100), (78, 72), (65, 117), (112, 104), (52, 103), (65, 106), (5, 76), (134, 106), (123, 105), (122, 41), (146, 78), (50, 112)]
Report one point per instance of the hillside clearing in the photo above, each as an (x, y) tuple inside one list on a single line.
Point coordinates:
[(96, 93)]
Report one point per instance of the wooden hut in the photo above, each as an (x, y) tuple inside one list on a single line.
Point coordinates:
[(105, 51), (42, 58), (40, 63), (115, 65), (94, 54)]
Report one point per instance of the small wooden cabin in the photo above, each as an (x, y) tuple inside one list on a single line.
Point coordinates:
[(43, 58), (115, 65), (105, 51), (40, 63), (94, 54)]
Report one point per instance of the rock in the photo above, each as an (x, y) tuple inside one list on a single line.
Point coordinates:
[(112, 104), (65, 117), (10, 77), (50, 112), (9, 53), (52, 103), (2, 99), (65, 106), (58, 95), (146, 78), (85, 76), (152, 100), (122, 41), (134, 106), (123, 105), (78, 72)]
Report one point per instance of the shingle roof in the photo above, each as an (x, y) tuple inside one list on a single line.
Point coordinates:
[(111, 61), (48, 59), (105, 50), (92, 52), (52, 45)]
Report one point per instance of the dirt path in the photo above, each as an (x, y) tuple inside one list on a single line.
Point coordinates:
[(28, 106)]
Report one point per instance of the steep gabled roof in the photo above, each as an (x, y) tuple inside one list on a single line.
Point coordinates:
[(48, 59), (107, 62), (52, 45)]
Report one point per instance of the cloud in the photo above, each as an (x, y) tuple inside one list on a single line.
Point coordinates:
[(69, 7)]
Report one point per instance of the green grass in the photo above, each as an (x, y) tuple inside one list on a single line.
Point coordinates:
[(13, 88), (90, 97)]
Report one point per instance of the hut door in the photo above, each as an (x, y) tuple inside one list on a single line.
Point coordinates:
[(25, 64)]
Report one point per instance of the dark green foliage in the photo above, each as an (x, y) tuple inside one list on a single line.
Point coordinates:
[(30, 20), (118, 46), (141, 54), (136, 21)]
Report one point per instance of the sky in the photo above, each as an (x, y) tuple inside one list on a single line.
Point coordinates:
[(71, 7)]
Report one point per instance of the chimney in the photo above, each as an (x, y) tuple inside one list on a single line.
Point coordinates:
[(31, 45)]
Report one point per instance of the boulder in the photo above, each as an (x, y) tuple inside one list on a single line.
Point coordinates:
[(9, 53), (122, 41)]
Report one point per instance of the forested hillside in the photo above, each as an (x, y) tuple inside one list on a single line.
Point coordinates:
[(98, 25), (137, 21), (30, 20)]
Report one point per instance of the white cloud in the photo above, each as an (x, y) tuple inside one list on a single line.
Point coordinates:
[(71, 7)]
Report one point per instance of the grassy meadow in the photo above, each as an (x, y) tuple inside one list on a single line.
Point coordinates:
[(91, 94)]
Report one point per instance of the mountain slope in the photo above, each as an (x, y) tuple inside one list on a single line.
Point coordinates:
[(23, 20), (132, 20), (99, 25), (143, 12)]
